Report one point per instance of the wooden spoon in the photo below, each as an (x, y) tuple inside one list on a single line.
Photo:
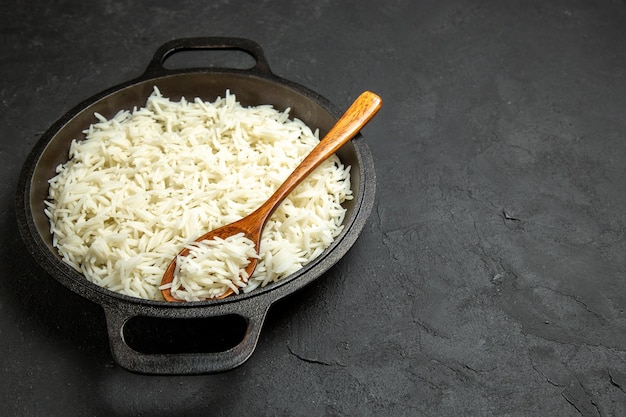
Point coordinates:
[(357, 116)]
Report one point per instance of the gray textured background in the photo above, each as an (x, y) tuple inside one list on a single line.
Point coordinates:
[(490, 279)]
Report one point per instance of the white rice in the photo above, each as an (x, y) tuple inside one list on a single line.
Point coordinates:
[(212, 267), (147, 182)]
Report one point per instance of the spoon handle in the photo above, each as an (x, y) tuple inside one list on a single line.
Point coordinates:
[(357, 116)]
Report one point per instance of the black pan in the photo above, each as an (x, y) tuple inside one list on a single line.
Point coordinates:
[(253, 86)]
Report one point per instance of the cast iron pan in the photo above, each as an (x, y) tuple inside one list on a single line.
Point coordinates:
[(253, 86)]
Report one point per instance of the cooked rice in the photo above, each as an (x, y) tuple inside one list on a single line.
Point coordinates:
[(211, 267), (147, 182)]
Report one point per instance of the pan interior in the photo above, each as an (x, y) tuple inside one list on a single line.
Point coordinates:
[(249, 90)]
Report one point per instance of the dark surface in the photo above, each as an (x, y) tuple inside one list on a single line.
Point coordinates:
[(490, 279)]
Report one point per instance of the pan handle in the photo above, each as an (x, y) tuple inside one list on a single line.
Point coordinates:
[(156, 68), (184, 363)]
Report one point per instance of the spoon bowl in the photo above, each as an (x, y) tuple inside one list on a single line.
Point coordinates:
[(348, 125)]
